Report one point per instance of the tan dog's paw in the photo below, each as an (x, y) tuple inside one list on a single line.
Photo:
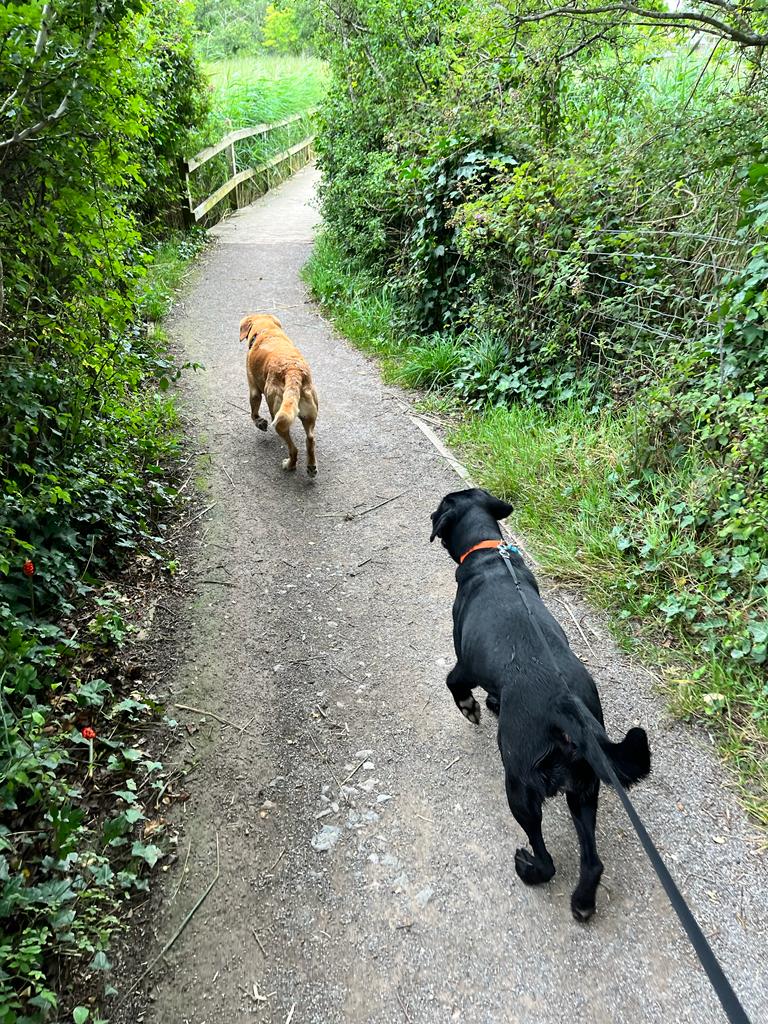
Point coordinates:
[(289, 465), (311, 470), (260, 422)]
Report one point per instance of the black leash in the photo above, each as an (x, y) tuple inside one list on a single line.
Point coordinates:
[(734, 1011)]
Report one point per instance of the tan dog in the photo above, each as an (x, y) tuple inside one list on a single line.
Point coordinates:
[(278, 371)]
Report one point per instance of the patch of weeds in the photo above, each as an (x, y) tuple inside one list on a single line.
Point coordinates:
[(431, 365), (361, 308), (169, 263), (88, 489)]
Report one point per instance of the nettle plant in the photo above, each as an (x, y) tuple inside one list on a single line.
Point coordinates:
[(85, 810)]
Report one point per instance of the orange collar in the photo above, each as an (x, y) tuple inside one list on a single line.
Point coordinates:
[(482, 544)]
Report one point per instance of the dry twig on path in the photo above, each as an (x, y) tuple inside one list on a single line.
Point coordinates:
[(180, 929), (576, 623), (240, 407), (351, 515), (212, 714), (183, 872), (258, 941), (325, 758), (359, 515), (282, 854), (192, 520), (402, 1007), (354, 772)]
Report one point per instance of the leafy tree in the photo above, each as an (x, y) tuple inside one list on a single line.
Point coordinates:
[(229, 28), (281, 30)]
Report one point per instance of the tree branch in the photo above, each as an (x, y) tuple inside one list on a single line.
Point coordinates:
[(584, 44), (685, 19), (58, 113), (47, 19)]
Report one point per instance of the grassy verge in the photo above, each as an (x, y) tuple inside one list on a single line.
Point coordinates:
[(81, 787), (564, 472)]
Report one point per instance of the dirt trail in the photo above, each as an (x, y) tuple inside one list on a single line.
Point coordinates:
[(329, 633)]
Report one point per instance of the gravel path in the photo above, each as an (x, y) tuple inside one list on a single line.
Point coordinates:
[(329, 633)]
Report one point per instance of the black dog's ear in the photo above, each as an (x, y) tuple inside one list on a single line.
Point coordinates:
[(499, 509), (444, 515)]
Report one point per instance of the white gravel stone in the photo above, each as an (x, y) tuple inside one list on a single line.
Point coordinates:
[(326, 838)]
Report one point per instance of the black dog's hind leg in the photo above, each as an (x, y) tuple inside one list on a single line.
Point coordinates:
[(461, 691), (538, 867), (583, 808)]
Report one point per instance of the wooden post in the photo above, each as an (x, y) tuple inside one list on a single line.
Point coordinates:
[(188, 218), (232, 160)]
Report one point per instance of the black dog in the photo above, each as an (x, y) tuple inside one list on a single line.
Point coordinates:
[(551, 733)]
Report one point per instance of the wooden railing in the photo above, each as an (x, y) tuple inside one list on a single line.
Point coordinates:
[(296, 156)]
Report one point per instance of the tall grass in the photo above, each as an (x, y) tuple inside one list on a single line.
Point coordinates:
[(263, 89), (361, 308), (557, 469)]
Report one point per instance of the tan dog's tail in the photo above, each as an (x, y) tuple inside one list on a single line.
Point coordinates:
[(286, 414)]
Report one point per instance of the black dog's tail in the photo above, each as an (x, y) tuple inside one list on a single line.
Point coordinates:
[(630, 759)]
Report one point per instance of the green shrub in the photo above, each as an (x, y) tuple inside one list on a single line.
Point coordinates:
[(93, 117)]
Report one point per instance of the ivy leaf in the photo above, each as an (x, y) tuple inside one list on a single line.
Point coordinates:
[(150, 853), (100, 962)]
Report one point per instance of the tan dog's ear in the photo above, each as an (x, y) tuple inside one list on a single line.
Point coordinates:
[(245, 327)]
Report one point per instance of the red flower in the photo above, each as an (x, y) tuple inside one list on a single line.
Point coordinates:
[(88, 733), (28, 568)]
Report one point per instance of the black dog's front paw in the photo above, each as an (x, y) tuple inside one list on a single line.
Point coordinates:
[(530, 870), (583, 896), (469, 707), (581, 911)]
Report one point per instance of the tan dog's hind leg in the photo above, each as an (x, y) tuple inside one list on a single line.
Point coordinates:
[(284, 431), (309, 430), (255, 397), (308, 417)]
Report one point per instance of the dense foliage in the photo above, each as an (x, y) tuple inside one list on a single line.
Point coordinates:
[(243, 28), (97, 102), (573, 208)]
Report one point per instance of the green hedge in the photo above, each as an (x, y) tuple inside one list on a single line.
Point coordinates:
[(96, 105)]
